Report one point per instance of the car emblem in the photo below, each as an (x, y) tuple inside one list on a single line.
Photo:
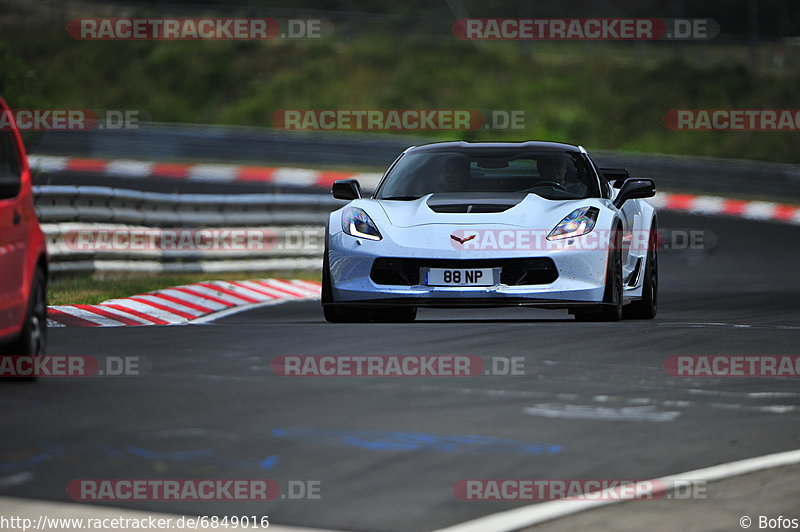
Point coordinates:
[(462, 240)]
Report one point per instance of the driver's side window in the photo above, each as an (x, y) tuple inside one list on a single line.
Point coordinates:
[(605, 187), (10, 168)]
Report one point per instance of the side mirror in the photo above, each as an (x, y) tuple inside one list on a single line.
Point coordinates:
[(346, 189), (635, 188), (615, 176)]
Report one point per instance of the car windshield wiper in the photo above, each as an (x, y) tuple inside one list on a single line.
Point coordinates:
[(402, 198)]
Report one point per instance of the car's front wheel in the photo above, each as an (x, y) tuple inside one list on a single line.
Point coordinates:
[(647, 306), (334, 313), (611, 309), (32, 340), (341, 314)]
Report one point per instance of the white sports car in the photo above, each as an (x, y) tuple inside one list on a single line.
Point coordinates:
[(460, 224)]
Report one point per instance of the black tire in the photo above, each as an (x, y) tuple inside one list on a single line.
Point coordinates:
[(611, 309), (334, 313), (342, 314), (646, 308), (394, 314), (347, 314), (32, 340)]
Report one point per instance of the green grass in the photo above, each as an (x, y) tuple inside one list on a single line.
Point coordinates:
[(90, 290), (603, 96)]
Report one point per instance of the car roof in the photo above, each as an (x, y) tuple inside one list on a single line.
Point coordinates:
[(460, 144)]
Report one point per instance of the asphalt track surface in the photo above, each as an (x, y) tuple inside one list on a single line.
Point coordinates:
[(388, 451)]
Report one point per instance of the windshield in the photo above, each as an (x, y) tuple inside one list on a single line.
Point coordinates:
[(552, 174)]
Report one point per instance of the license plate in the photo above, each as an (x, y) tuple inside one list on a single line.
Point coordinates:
[(460, 277)]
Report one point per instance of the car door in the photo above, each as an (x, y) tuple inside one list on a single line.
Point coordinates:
[(13, 232)]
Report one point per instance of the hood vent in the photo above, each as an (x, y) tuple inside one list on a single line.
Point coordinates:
[(468, 208), (473, 203)]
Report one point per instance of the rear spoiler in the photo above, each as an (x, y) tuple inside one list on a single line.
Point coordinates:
[(616, 176)]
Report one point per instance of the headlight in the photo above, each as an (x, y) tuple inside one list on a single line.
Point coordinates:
[(356, 222), (578, 222)]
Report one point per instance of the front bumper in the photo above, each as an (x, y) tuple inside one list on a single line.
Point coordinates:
[(580, 281)]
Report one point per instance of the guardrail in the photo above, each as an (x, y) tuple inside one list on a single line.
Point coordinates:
[(113, 205), (76, 247), (290, 228), (102, 229)]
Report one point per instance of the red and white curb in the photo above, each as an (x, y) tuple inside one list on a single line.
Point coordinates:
[(214, 173), (222, 173), (176, 305), (719, 206)]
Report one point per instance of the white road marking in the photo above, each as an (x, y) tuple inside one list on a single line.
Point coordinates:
[(208, 318), (539, 513), (625, 413), (772, 409), (754, 395), (701, 325), (772, 394), (16, 479), (676, 404)]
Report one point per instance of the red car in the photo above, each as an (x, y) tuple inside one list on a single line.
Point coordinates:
[(23, 252)]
